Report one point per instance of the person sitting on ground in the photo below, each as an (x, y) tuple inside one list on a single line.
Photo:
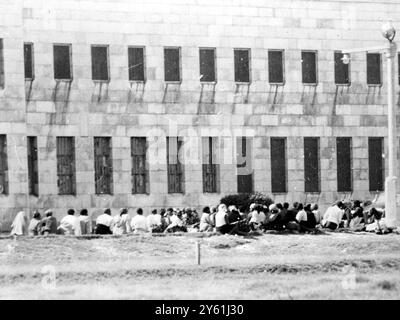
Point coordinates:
[(85, 222), (378, 223), (177, 224), (104, 222), (69, 225), (306, 219), (357, 217), (333, 216), (317, 213), (154, 222), (121, 224), (206, 224), (139, 222), (168, 215), (275, 218), (222, 223), (163, 214), (19, 226), (346, 214), (49, 223), (292, 212), (35, 225), (257, 218)]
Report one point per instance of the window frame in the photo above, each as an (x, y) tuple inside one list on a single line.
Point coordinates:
[(72, 158), (179, 64), (284, 139), (249, 141), (348, 70), (318, 163), (179, 164), (110, 186), (2, 66), (215, 64), (214, 167), (5, 174), (107, 59), (69, 45), (234, 66), (382, 162), (32, 61), (146, 167), (351, 164), (314, 84), (380, 84), (33, 176), (283, 67), (144, 64)]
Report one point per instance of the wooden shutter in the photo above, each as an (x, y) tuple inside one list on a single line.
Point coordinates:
[(175, 167), (103, 165), (139, 165), (66, 165)]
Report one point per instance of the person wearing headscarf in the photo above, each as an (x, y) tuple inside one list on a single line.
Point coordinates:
[(104, 222), (122, 222), (49, 223), (35, 225), (206, 224), (19, 224), (85, 222), (70, 225)]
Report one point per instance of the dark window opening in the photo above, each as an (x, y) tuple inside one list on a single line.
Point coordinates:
[(103, 169), (3, 165), (275, 66), (309, 67), (343, 158), (374, 69), (140, 172), (311, 165), (28, 61), (278, 165), (33, 176), (242, 65), (207, 65), (341, 69), (172, 64), (210, 165), (175, 167), (66, 166), (100, 69), (62, 62), (376, 164), (244, 165), (2, 80), (136, 63)]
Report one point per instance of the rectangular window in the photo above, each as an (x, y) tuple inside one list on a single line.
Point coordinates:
[(100, 68), (103, 169), (140, 172), (374, 69), (210, 164), (341, 69), (398, 66), (136, 63), (311, 165), (33, 177), (62, 62), (66, 165), (172, 65), (309, 67), (3, 165), (1, 65), (242, 65), (275, 66), (244, 164), (207, 65), (29, 61), (376, 164), (343, 158), (175, 166), (278, 165)]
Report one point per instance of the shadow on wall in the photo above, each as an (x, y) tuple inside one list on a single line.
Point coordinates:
[(100, 92), (172, 93), (206, 103), (60, 97), (342, 96), (136, 92), (275, 94), (308, 95), (373, 95), (241, 93)]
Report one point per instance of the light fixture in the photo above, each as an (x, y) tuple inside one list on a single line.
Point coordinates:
[(388, 31), (346, 58)]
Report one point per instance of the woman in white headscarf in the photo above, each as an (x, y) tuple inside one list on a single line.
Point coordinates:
[(19, 225)]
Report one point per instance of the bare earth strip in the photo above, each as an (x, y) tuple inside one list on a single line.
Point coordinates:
[(270, 266)]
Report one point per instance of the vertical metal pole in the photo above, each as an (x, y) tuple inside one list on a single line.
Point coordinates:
[(198, 252), (390, 183)]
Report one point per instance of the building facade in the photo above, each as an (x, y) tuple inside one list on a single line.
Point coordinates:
[(175, 103)]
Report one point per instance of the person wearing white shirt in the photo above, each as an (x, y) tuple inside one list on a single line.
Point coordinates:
[(121, 222), (104, 222), (333, 216), (206, 224), (257, 217), (85, 222), (139, 222), (70, 224), (176, 224), (154, 222)]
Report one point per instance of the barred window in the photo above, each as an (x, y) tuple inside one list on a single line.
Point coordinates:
[(244, 164), (343, 158), (100, 68), (242, 65), (175, 166), (341, 69), (210, 164), (29, 61), (278, 165), (103, 169), (140, 172), (3, 165), (309, 67), (66, 165), (374, 69), (136, 63), (275, 66), (62, 62), (207, 65), (311, 165), (172, 64), (376, 164), (1, 65), (33, 179)]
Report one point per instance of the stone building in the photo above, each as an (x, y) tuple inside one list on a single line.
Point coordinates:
[(176, 103)]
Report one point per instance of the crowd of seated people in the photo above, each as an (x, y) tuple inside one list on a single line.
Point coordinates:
[(303, 218)]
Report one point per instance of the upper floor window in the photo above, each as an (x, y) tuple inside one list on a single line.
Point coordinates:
[(1, 65), (100, 67), (309, 67), (207, 65), (29, 61), (3, 165), (172, 72), (62, 62), (275, 66), (374, 69), (136, 63), (242, 65), (341, 69)]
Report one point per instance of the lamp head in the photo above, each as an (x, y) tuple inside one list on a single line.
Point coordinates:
[(388, 31), (346, 58)]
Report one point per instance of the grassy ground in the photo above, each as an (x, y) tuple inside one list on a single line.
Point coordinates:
[(271, 266)]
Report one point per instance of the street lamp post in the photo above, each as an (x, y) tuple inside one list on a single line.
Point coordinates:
[(391, 213)]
